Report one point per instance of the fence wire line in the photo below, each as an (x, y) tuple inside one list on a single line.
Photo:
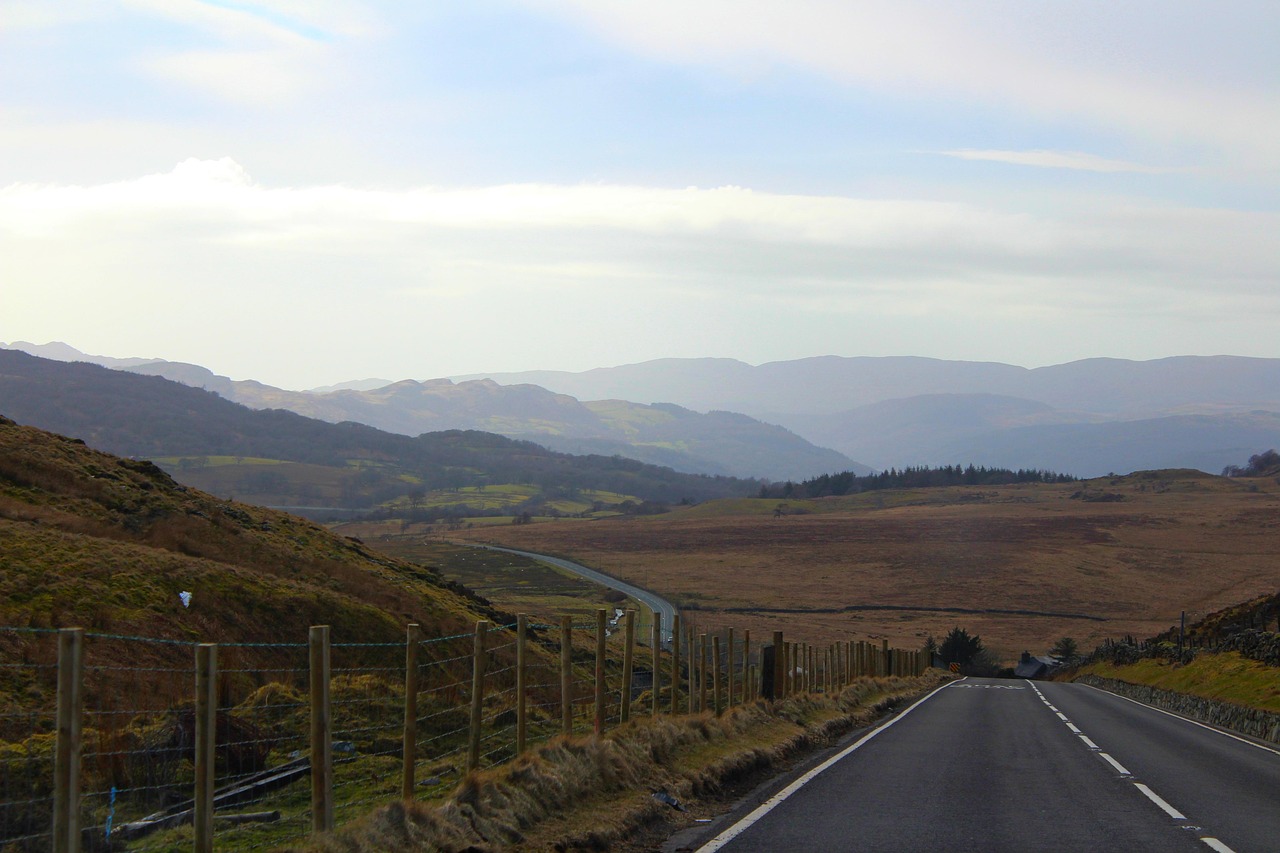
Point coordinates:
[(144, 767)]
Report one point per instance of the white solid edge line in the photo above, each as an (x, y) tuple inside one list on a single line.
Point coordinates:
[(1215, 844), (1155, 798), (768, 805), (1116, 764), (1184, 719)]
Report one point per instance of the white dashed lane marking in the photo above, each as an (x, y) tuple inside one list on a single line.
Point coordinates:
[(1211, 842)]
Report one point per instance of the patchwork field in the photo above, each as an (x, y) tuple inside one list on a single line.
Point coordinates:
[(1019, 565)]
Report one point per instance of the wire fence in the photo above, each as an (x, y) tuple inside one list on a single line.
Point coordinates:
[(138, 743)]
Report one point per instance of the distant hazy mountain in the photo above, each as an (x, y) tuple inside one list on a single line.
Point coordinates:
[(719, 443), (921, 430), (353, 385), (1086, 417), (1205, 442), (58, 351), (830, 384)]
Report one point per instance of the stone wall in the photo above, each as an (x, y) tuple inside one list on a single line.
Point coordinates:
[(1262, 646), (1249, 721)]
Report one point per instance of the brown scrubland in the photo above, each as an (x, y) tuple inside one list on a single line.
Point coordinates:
[(1020, 565)]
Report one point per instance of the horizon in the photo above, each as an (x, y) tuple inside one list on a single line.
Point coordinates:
[(305, 193), (22, 346)]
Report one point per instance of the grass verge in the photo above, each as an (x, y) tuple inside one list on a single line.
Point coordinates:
[(595, 793), (1226, 677)]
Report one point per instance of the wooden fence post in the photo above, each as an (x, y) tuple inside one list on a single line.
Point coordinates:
[(675, 665), (321, 731), (628, 663), (657, 663), (409, 747), (748, 693), (522, 701), (729, 678), (779, 666), (70, 723), (793, 682), (602, 619), (478, 667), (206, 733), (693, 670), (715, 674), (702, 673), (566, 675)]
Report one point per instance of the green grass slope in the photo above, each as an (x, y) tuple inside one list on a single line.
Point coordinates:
[(96, 541)]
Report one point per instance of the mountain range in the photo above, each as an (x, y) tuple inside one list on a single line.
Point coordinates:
[(793, 419), (1087, 418), (717, 442), (279, 458)]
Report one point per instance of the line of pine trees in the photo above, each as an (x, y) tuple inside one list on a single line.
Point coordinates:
[(913, 477)]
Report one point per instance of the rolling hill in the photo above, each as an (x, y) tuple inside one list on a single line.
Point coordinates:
[(107, 543), (280, 458), (719, 443)]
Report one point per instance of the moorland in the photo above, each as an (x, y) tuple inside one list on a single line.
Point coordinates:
[(1020, 565)]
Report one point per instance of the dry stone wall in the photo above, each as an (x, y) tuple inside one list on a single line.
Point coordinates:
[(1238, 718)]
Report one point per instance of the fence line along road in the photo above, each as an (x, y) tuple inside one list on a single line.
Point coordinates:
[(653, 601), (110, 739)]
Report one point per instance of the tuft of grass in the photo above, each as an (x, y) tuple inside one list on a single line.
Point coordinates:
[(593, 791)]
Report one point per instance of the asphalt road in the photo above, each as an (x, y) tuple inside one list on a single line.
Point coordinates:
[(1002, 765), (653, 601)]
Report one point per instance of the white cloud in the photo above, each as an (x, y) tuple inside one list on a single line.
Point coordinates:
[(718, 240), (205, 264), (1036, 58), (1058, 160), (253, 77), (19, 15), (265, 53)]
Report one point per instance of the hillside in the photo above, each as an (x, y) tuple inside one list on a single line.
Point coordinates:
[(280, 458), (94, 540), (717, 443)]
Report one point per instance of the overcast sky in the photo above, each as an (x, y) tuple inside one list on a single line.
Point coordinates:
[(311, 191)]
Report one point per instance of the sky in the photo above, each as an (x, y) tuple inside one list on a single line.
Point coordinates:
[(306, 192)]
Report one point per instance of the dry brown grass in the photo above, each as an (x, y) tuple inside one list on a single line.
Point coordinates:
[(1177, 540), (592, 793)]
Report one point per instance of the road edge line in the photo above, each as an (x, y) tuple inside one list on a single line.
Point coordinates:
[(777, 799), (1185, 719)]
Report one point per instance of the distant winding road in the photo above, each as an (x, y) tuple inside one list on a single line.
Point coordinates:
[(1004, 765), (651, 600)]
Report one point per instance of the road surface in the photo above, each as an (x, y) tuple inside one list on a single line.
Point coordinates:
[(1004, 765), (653, 601)]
